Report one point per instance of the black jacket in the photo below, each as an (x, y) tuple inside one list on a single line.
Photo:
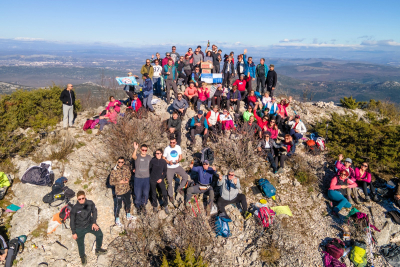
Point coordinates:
[(83, 215), (175, 123), (232, 70), (158, 169), (66, 98), (272, 78)]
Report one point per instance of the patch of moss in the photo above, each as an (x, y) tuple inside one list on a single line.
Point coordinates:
[(41, 230)]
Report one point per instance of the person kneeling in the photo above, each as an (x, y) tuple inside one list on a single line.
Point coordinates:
[(230, 186), (83, 221)]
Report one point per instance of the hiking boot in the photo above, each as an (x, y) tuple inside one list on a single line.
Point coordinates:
[(100, 251), (367, 198), (118, 222), (375, 198), (155, 209), (84, 261), (247, 215), (166, 210), (171, 199), (98, 133), (280, 171)]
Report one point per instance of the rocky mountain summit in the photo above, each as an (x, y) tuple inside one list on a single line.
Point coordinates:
[(295, 240)]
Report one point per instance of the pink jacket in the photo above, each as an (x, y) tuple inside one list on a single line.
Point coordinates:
[(117, 107), (340, 166), (365, 178), (112, 116), (284, 113), (274, 133), (204, 94), (334, 186)]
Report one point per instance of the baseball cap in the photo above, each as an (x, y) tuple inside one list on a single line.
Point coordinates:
[(297, 116), (206, 162), (200, 112), (348, 160)]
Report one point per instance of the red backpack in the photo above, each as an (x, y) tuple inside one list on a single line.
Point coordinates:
[(87, 125), (65, 212), (266, 216), (335, 248)]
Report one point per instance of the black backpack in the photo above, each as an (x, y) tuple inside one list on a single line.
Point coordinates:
[(391, 253), (58, 193), (15, 246), (207, 154)]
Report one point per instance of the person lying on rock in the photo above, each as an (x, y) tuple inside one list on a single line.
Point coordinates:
[(83, 221), (339, 191), (230, 188)]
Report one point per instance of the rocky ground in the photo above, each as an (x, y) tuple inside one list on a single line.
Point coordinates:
[(298, 237)]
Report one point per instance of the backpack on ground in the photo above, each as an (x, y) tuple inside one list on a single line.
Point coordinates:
[(312, 147), (15, 246), (267, 189), (358, 254), (222, 227), (207, 154), (394, 215), (320, 142), (330, 261), (335, 248), (65, 212), (58, 193), (88, 124), (391, 253), (266, 216)]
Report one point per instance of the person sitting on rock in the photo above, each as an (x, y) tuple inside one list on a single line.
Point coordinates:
[(286, 150), (345, 166), (298, 129), (114, 103), (251, 127), (158, 172), (120, 177), (110, 117), (213, 120), (363, 180), (226, 120), (198, 125), (205, 174), (136, 104), (282, 114), (204, 96), (248, 113), (191, 95), (262, 122), (230, 188), (233, 98), (180, 105), (267, 146), (174, 127), (273, 129), (83, 220), (339, 191), (3, 248), (251, 99)]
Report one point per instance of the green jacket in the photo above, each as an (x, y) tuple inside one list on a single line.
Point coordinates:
[(4, 182), (150, 72), (247, 115)]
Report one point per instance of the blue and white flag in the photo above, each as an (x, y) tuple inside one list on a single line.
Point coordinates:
[(127, 80), (211, 77)]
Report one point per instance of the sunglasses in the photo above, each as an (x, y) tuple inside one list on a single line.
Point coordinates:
[(343, 175), (172, 142), (364, 165), (144, 150), (158, 153), (82, 198), (121, 161), (168, 55), (231, 174), (205, 164)]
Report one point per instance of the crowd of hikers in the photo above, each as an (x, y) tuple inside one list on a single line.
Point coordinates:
[(217, 112)]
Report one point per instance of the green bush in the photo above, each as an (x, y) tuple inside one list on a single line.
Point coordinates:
[(376, 142), (349, 102), (189, 261)]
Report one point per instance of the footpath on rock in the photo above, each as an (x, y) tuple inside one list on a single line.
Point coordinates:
[(291, 241)]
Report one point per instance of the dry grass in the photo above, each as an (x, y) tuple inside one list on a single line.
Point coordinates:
[(41, 230), (302, 171), (62, 149)]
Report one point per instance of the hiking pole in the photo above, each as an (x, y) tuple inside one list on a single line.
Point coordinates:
[(326, 134), (58, 242), (195, 198)]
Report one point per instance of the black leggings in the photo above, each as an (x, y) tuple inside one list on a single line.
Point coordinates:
[(153, 192), (240, 198), (280, 159), (126, 198), (188, 76), (364, 186)]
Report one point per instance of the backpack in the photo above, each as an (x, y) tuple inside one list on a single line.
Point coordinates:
[(14, 246), (87, 124), (320, 143), (312, 147), (358, 254), (207, 154), (222, 227), (58, 192), (266, 216), (335, 248), (391, 253), (330, 261), (65, 212), (267, 189)]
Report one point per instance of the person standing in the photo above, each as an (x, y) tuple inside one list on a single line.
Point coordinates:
[(83, 221), (142, 177), (205, 174), (197, 58), (261, 74), (158, 172), (147, 90), (174, 55), (228, 71), (147, 68), (157, 69), (119, 178), (272, 79), (241, 66), (158, 58), (173, 155), (67, 97), (170, 76), (251, 70)]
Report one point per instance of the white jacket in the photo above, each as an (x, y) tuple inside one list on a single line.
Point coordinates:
[(300, 126)]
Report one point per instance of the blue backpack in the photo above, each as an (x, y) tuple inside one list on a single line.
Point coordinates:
[(267, 189), (222, 227)]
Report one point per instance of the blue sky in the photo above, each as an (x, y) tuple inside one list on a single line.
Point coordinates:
[(230, 23)]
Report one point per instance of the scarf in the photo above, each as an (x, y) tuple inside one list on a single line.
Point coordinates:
[(229, 184)]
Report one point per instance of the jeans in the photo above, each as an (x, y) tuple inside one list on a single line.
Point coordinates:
[(338, 197), (147, 102), (296, 136), (240, 198), (243, 95), (141, 189), (68, 115), (227, 79), (281, 159), (169, 84), (157, 85), (230, 102), (170, 175), (364, 186), (81, 232), (196, 190), (260, 84), (103, 122), (153, 190), (193, 100), (271, 160), (126, 199), (199, 102), (195, 131)]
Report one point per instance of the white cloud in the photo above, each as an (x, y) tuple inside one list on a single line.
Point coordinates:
[(318, 45), (380, 43), (28, 39), (291, 40)]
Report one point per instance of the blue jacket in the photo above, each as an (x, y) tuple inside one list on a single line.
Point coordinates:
[(244, 66), (250, 68), (234, 95), (172, 71), (274, 109), (205, 176), (265, 70), (147, 87)]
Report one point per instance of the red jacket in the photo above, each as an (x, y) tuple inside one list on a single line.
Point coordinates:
[(252, 99), (260, 122), (137, 106), (209, 115), (284, 115), (241, 84)]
